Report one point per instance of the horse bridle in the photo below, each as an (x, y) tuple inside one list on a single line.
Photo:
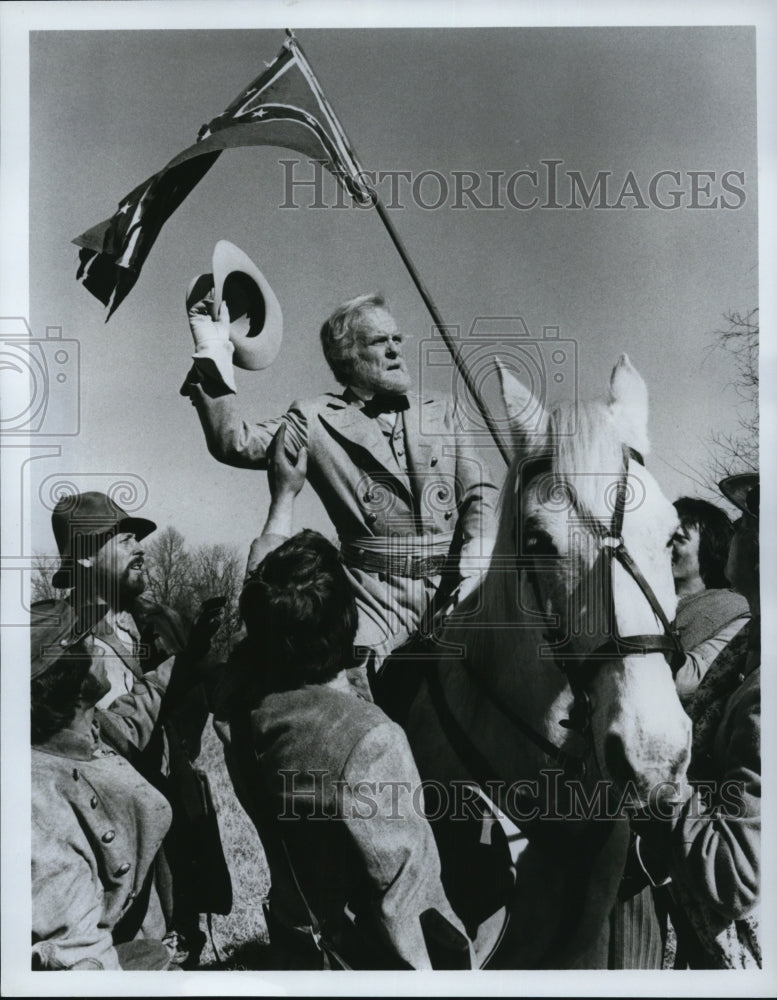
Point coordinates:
[(580, 667)]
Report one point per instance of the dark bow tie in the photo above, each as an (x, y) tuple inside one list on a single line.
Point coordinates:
[(385, 404)]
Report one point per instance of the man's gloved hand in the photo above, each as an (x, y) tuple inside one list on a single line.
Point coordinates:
[(213, 348)]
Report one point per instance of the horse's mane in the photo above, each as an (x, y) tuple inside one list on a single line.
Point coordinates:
[(582, 438)]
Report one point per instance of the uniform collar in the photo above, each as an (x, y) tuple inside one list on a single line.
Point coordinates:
[(352, 396), (72, 743), (398, 401)]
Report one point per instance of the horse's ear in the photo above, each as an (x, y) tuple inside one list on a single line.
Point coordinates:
[(629, 404), (526, 414)]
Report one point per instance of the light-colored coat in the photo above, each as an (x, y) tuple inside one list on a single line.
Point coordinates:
[(333, 777), (97, 826), (447, 486)]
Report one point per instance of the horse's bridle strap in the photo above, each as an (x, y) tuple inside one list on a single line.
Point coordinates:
[(622, 554), (633, 645), (668, 643), (614, 647)]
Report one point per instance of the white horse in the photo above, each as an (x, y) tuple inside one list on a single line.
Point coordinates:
[(555, 696)]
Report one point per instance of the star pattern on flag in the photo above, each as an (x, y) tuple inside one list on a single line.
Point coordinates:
[(285, 106)]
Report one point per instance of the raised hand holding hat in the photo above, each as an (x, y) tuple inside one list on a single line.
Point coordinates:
[(234, 316), (213, 348)]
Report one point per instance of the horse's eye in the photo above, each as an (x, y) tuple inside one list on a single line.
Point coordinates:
[(539, 543)]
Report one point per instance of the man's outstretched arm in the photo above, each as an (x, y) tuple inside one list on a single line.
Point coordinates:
[(210, 386), (286, 478)]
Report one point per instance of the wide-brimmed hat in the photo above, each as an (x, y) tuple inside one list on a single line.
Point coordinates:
[(55, 627), (255, 317), (743, 491), (82, 522)]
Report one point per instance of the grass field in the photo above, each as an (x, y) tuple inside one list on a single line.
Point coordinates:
[(241, 936)]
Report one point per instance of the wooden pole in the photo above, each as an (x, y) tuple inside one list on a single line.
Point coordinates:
[(449, 342), (453, 348)]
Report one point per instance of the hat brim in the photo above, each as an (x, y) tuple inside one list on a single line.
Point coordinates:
[(255, 317), (739, 491), (140, 527)]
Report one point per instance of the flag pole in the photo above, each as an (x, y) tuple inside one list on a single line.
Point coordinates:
[(449, 342)]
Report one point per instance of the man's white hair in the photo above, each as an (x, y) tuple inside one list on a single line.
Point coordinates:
[(338, 333)]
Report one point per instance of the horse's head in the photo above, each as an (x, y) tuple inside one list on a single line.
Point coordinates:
[(576, 487)]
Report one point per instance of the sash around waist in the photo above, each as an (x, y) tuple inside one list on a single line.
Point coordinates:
[(413, 556)]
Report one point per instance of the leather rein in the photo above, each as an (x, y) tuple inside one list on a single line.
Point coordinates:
[(580, 668)]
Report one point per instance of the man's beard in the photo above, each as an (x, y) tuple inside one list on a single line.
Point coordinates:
[(392, 382), (131, 585)]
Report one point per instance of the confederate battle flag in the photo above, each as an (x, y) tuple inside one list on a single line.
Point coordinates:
[(285, 106)]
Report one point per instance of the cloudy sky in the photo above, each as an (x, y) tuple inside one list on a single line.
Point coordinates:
[(621, 105)]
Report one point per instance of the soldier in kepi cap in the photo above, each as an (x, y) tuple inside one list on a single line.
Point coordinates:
[(409, 497), (97, 825), (103, 564)]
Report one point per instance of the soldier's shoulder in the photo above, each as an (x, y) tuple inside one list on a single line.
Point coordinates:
[(429, 398), (432, 404), (51, 611), (319, 404)]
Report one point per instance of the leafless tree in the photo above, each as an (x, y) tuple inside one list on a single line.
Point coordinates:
[(183, 578), (217, 571), (169, 570), (738, 451), (43, 568)]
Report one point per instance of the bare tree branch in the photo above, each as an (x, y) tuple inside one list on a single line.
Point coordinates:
[(43, 568), (169, 570), (738, 451)]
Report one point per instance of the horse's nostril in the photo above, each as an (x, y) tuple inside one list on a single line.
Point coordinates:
[(615, 760)]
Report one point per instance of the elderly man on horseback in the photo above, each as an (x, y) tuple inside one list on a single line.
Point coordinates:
[(412, 503)]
